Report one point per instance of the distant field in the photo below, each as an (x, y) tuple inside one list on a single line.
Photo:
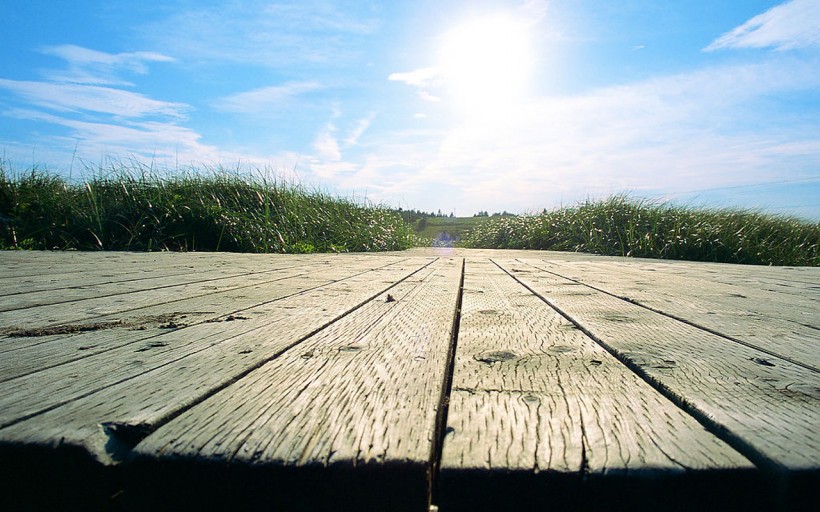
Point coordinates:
[(448, 228)]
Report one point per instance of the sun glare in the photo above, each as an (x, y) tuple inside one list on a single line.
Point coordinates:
[(486, 63)]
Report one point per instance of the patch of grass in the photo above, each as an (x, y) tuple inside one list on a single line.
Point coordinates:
[(622, 226), (132, 208), (446, 228)]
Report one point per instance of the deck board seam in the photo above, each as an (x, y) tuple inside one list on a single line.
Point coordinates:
[(97, 390), (93, 297), (85, 356), (683, 320), (437, 446), (759, 459), (217, 389)]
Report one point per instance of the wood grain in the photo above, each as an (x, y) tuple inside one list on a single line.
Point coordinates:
[(784, 325), (360, 396), (534, 399), (769, 410), (213, 352)]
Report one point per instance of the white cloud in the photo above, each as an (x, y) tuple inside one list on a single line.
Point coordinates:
[(326, 171), (147, 138), (794, 24), (92, 98), (419, 77), (358, 129), (533, 11), (86, 66), (257, 100), (654, 136), (426, 96), (266, 34), (326, 145)]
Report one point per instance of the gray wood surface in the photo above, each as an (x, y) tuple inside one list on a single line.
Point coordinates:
[(535, 399), (178, 367), (770, 408), (364, 392), (786, 325), (471, 380)]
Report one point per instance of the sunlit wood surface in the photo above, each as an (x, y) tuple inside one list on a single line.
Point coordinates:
[(433, 378)]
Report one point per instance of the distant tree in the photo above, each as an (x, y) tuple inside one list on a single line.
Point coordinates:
[(421, 225), (452, 215)]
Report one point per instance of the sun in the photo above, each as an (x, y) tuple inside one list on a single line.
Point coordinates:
[(486, 63)]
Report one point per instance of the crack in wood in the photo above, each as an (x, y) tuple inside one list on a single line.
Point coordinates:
[(441, 430), (164, 321)]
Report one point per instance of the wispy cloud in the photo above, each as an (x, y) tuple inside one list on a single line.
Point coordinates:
[(794, 24), (326, 145), (653, 136), (421, 77), (264, 98), (266, 34), (152, 139), (89, 99), (92, 98), (358, 129), (86, 66)]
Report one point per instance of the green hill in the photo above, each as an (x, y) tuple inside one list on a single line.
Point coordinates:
[(445, 229)]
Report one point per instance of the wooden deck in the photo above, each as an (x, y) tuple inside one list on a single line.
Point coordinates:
[(457, 380)]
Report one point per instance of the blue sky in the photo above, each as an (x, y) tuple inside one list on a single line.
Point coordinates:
[(448, 104)]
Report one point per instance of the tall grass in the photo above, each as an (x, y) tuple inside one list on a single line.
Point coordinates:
[(131, 208), (622, 226)]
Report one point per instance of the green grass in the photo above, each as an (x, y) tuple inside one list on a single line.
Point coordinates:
[(132, 208), (452, 228), (621, 226)]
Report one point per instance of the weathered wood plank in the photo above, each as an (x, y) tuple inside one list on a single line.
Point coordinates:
[(768, 410), (175, 282), (216, 351), (535, 401), (321, 397), (783, 325), (39, 264), (22, 264), (95, 280), (91, 308), (63, 280), (357, 402), (39, 351)]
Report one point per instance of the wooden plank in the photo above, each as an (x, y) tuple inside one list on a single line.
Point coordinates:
[(39, 351), (63, 280), (184, 282), (784, 325), (666, 275), (540, 415), (165, 311), (21, 264), (91, 308), (344, 421), (220, 350), (107, 272), (768, 410)]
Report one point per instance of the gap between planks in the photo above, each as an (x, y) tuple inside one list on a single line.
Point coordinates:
[(773, 449)]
